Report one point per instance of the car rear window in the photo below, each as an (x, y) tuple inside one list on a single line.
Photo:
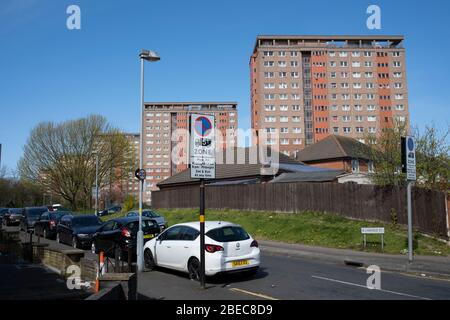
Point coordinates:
[(36, 211), (86, 221), (57, 216), (151, 214), (228, 234), (147, 225)]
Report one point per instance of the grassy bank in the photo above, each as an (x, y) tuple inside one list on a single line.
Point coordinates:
[(311, 228)]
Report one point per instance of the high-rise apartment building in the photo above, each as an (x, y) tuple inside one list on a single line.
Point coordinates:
[(166, 146), (131, 186), (308, 87)]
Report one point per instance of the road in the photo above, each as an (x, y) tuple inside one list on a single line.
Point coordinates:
[(286, 277)]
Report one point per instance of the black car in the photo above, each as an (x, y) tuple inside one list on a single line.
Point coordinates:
[(47, 224), (118, 235), (77, 230), (30, 216), (112, 210), (12, 216)]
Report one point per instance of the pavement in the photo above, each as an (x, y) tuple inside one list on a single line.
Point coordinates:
[(26, 281)]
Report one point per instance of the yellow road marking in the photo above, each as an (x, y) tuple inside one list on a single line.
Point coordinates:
[(259, 295)]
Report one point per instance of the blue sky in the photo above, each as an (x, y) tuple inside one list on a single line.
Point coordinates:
[(49, 73)]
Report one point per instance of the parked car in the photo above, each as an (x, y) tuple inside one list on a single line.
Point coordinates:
[(228, 248), (30, 216), (2, 213), (58, 207), (77, 231), (152, 215), (112, 210), (118, 235), (47, 224), (12, 216)]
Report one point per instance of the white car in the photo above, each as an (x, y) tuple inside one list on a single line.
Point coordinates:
[(228, 248)]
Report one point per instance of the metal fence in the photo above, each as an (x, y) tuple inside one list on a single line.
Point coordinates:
[(363, 202)]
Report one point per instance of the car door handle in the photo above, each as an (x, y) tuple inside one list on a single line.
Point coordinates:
[(168, 247), (186, 247)]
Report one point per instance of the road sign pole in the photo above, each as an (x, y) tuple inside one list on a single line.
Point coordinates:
[(202, 233), (410, 235)]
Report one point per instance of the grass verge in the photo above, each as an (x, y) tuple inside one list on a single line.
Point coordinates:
[(312, 228)]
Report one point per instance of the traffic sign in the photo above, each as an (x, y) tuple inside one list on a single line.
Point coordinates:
[(140, 174), (410, 158), (203, 147)]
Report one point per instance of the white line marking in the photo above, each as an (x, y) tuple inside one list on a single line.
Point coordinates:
[(365, 287)]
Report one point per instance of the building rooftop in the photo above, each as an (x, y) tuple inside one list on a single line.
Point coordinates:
[(334, 147), (243, 170), (316, 176), (330, 40)]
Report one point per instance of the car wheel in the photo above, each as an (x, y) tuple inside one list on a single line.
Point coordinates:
[(149, 261), (75, 242), (194, 269)]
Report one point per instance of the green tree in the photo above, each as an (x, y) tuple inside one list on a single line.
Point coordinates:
[(433, 158), (432, 155), (386, 155)]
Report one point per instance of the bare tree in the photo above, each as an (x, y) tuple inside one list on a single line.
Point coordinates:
[(61, 157)]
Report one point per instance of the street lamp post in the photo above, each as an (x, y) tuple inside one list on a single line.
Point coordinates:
[(96, 183), (151, 56)]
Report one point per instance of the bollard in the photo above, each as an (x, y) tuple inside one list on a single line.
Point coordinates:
[(101, 270), (129, 260), (116, 260), (31, 245)]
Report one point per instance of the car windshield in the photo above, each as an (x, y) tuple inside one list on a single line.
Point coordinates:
[(36, 212), (3, 211), (150, 214), (228, 234), (86, 221)]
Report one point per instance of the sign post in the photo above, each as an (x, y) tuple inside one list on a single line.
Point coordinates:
[(203, 166), (409, 167)]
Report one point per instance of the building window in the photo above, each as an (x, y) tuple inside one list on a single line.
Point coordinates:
[(355, 165), (370, 167)]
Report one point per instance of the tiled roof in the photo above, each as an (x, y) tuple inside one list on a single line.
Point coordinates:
[(334, 147)]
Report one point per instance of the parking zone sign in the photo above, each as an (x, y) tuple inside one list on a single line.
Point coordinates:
[(203, 147), (410, 159)]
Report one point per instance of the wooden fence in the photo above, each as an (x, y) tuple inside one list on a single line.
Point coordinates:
[(364, 202)]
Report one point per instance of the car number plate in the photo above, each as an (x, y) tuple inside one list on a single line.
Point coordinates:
[(149, 236), (239, 263)]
